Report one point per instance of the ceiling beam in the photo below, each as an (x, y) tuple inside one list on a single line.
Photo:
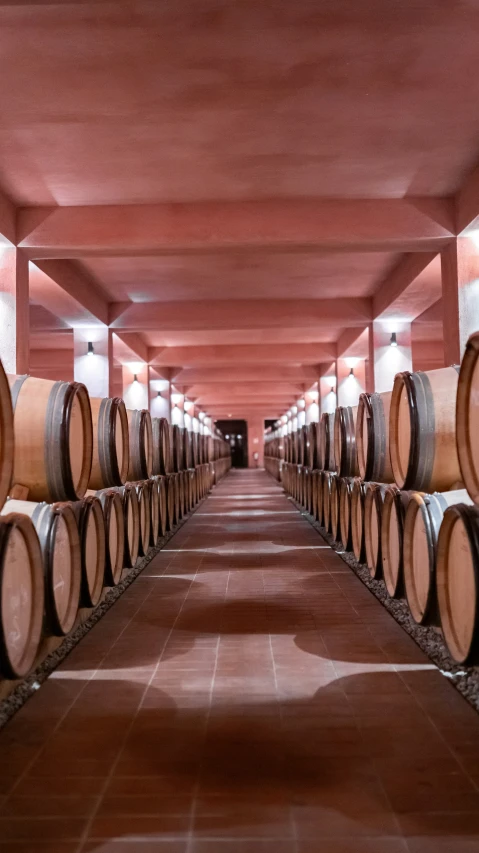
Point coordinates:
[(62, 288), (241, 314), (412, 287), (7, 221), (210, 356), (134, 344), (467, 203), (400, 224), (251, 374)]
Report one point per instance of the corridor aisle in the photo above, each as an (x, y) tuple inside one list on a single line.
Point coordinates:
[(247, 694)]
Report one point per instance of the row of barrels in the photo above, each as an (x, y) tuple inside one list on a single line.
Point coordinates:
[(423, 547), (56, 442), (58, 558)]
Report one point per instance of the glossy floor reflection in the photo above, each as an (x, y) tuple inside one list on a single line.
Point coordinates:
[(247, 694)]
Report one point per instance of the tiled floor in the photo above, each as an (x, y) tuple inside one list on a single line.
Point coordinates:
[(247, 694)]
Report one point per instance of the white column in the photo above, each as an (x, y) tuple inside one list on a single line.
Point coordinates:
[(177, 407), (135, 386), (386, 360), (93, 359), (14, 311), (350, 380), (311, 399), (327, 394), (160, 399)]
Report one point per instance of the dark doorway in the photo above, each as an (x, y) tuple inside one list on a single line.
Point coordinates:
[(236, 432)]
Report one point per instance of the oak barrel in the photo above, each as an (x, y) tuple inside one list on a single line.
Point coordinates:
[(334, 507), (422, 430), (457, 578), (467, 417), (53, 438), (154, 512), (392, 534), (424, 515), (328, 478), (373, 506), (345, 456), (6, 437), (163, 507), (143, 495), (91, 528), (171, 501), (21, 595), (345, 492), (111, 443), (112, 506), (326, 442), (358, 493), (177, 448), (141, 445), (57, 532), (131, 521), (161, 446), (372, 437)]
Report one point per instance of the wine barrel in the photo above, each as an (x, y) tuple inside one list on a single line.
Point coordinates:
[(358, 493), (163, 506), (176, 448), (328, 478), (111, 443), (372, 437), (326, 442), (143, 495), (185, 446), (345, 456), (314, 493), (53, 438), (171, 501), (141, 445), (91, 528), (112, 507), (422, 430), (392, 535), (334, 507), (345, 493), (154, 513), (131, 519), (57, 532), (373, 507), (6, 437), (21, 595), (422, 522), (467, 417), (312, 445), (457, 578), (161, 446)]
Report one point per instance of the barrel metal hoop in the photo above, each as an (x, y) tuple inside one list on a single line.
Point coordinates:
[(16, 388), (378, 431), (106, 428), (57, 451)]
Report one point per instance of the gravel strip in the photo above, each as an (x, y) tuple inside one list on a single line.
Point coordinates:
[(464, 678)]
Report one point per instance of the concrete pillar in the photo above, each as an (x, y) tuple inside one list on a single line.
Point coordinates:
[(14, 311), (177, 407), (135, 386), (386, 360), (255, 442), (160, 406), (350, 385), (327, 394), (294, 419), (301, 412), (189, 414), (93, 359), (460, 295), (311, 399), (284, 425)]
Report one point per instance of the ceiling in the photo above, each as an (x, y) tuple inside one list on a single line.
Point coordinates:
[(188, 103)]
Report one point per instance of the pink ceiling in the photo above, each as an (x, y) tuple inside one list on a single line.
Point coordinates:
[(245, 275), (142, 102), (288, 335)]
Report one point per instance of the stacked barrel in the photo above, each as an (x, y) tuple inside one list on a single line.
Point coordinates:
[(395, 480), (87, 490)]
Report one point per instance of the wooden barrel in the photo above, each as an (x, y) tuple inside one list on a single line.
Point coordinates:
[(312, 449), (141, 445), (392, 534), (21, 595), (326, 442), (314, 493), (53, 438), (373, 507), (171, 501), (186, 449), (345, 492), (422, 522), (111, 443), (345, 456), (131, 519), (422, 430), (112, 507), (328, 478), (6, 437), (57, 532), (372, 437), (91, 528), (321, 487), (151, 490), (467, 418), (176, 448), (161, 446), (457, 578), (334, 507), (143, 495), (163, 506), (358, 493)]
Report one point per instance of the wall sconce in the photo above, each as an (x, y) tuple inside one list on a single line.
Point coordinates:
[(158, 394), (351, 372), (135, 377), (90, 348), (333, 389), (393, 342)]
